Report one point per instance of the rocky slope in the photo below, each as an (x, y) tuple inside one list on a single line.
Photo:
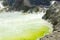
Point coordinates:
[(53, 16)]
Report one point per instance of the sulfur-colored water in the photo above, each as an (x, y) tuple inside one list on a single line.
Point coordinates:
[(19, 26), (23, 26)]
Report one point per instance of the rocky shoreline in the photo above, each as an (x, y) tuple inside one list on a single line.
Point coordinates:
[(53, 16)]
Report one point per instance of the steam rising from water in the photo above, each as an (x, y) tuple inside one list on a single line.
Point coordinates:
[(20, 19)]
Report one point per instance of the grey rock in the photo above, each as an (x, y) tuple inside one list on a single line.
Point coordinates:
[(53, 16)]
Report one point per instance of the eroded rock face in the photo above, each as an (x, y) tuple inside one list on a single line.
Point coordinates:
[(53, 13), (13, 4), (53, 16), (25, 4)]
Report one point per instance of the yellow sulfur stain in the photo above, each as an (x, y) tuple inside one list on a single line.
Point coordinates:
[(29, 34), (23, 27)]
